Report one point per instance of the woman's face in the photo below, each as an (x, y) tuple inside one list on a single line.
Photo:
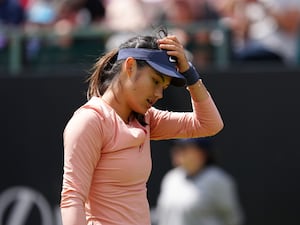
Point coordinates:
[(143, 88)]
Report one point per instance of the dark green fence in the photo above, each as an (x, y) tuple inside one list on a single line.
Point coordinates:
[(44, 49)]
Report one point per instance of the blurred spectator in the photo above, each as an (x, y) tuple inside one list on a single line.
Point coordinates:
[(180, 12), (261, 27), (72, 14), (181, 15), (11, 12), (40, 12), (126, 18), (184, 12), (81, 12), (125, 15), (96, 9), (197, 191)]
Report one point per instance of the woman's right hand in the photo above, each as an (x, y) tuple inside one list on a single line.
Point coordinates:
[(174, 48)]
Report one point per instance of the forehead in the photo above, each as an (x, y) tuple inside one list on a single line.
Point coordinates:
[(166, 79)]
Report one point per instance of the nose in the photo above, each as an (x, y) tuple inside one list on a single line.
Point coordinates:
[(159, 93)]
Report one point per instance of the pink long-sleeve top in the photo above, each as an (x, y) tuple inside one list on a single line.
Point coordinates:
[(107, 162)]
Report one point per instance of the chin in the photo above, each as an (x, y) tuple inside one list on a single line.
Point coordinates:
[(143, 112), (141, 108)]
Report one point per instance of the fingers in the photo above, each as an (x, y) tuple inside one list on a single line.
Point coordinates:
[(175, 48), (171, 37), (170, 43)]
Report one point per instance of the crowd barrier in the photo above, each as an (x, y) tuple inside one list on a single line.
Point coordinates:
[(43, 48), (38, 50)]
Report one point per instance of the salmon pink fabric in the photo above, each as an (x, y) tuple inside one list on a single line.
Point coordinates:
[(107, 162)]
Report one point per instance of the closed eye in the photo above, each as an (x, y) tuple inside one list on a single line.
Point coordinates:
[(156, 82)]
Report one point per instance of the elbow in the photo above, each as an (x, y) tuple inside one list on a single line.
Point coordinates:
[(218, 126)]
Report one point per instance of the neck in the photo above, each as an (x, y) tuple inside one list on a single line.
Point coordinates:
[(114, 100), (192, 174)]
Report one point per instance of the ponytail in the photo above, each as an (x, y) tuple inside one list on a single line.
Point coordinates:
[(104, 70)]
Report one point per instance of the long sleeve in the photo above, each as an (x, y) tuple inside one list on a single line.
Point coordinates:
[(205, 120), (82, 145)]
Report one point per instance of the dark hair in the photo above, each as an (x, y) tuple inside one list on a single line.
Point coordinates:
[(205, 144), (107, 68)]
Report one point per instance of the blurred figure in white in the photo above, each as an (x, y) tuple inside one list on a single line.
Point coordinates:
[(197, 191)]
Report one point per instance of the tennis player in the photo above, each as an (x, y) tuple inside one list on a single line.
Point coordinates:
[(107, 158)]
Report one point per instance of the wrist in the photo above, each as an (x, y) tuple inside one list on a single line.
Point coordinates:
[(191, 75)]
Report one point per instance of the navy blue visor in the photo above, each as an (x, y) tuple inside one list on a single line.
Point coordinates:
[(159, 60)]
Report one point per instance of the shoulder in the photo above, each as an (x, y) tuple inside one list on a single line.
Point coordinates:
[(175, 172), (173, 176), (101, 109), (217, 176), (91, 115), (95, 109)]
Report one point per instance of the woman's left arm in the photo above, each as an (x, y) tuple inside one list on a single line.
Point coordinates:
[(205, 119)]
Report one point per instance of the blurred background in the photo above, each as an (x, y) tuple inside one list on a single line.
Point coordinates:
[(247, 52)]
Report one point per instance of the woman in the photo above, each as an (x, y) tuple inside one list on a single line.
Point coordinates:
[(107, 157), (197, 191)]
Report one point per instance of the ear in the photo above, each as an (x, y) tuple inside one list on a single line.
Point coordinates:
[(130, 66)]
